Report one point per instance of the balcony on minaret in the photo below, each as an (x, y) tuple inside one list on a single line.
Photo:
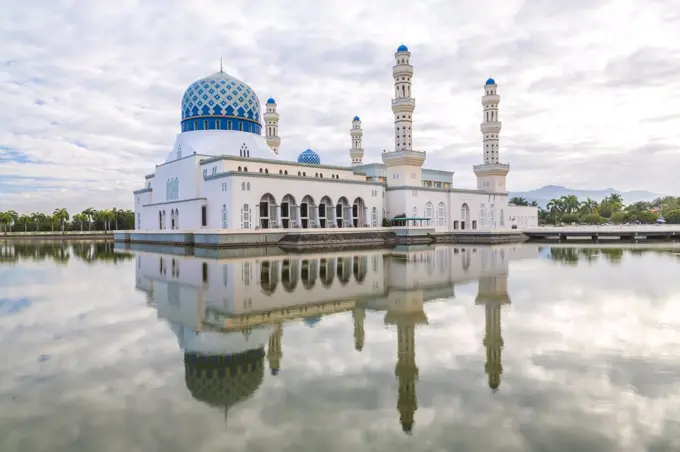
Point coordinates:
[(492, 168), (491, 126), (404, 102), (403, 157), (402, 69), (491, 99)]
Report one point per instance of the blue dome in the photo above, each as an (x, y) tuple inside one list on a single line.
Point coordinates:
[(402, 48), (491, 81), (310, 157), (311, 321), (271, 100), (356, 118), (220, 101)]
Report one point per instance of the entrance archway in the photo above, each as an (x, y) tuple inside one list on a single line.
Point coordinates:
[(288, 212), (325, 212), (359, 213), (464, 216), (343, 213), (268, 212), (307, 212)]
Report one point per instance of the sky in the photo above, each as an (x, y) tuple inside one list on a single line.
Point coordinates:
[(91, 90)]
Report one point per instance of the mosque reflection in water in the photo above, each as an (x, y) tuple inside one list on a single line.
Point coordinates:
[(227, 310)]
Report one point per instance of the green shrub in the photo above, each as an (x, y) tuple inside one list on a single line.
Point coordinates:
[(619, 217), (647, 217), (569, 218), (672, 217), (593, 219)]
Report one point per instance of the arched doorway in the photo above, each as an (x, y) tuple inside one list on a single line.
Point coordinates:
[(268, 212), (288, 212), (464, 216), (343, 213), (359, 213), (359, 268), (307, 212), (325, 212), (344, 270)]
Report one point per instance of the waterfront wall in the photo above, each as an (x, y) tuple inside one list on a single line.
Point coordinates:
[(317, 239)]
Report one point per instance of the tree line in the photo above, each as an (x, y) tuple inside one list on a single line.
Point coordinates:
[(61, 220), (569, 209), (61, 253)]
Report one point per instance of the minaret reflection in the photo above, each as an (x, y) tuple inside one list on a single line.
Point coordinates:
[(405, 310), (359, 316), (274, 351), (493, 294)]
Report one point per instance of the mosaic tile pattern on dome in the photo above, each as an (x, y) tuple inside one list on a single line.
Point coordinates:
[(220, 95), (309, 157)]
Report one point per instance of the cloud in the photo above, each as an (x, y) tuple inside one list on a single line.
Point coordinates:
[(92, 91)]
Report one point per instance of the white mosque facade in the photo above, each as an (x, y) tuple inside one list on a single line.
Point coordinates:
[(224, 171)]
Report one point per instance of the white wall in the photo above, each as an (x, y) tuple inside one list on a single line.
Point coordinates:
[(523, 216)]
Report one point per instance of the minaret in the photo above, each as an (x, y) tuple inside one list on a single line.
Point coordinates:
[(493, 294), (491, 175), (404, 165), (274, 352), (359, 315), (403, 104), (357, 150), (271, 121)]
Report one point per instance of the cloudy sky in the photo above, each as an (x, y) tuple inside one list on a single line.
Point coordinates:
[(91, 90)]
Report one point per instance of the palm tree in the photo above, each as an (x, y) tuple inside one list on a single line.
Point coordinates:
[(106, 216), (555, 208), (570, 204), (519, 201), (80, 218), (91, 214), (588, 207), (62, 216), (4, 221), (24, 219), (12, 218)]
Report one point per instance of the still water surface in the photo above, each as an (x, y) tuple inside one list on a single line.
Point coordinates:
[(510, 348)]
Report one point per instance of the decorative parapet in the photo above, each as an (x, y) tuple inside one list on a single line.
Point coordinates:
[(491, 168)]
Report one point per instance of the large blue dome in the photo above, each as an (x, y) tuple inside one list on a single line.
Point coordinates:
[(310, 157), (491, 81), (220, 101), (402, 48)]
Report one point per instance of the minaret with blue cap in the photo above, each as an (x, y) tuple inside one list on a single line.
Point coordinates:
[(356, 153), (271, 128), (403, 104), (491, 175)]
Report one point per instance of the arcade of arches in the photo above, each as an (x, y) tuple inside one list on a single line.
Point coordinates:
[(310, 213)]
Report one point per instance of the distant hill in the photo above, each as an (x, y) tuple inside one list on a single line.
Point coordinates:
[(543, 195)]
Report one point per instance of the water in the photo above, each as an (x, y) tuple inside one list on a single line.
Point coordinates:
[(511, 348)]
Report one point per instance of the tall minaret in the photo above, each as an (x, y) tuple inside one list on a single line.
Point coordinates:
[(271, 121), (493, 294), (402, 104), (357, 150), (491, 175)]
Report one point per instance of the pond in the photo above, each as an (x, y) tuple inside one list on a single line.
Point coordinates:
[(416, 348)]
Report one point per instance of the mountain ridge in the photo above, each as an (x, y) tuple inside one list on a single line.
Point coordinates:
[(544, 194)]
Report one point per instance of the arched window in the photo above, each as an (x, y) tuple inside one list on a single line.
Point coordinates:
[(245, 216), (441, 214), (225, 220), (160, 220), (429, 212), (374, 217), (492, 216), (172, 219), (176, 218), (502, 218), (482, 215)]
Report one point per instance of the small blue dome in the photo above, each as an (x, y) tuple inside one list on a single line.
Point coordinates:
[(356, 118), (402, 48), (311, 321), (310, 157), (491, 81), (271, 100)]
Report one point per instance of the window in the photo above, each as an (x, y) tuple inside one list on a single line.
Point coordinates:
[(217, 125), (441, 214), (205, 124), (243, 186), (225, 219), (245, 216), (240, 126), (502, 218), (374, 217), (247, 186), (205, 272), (204, 215)]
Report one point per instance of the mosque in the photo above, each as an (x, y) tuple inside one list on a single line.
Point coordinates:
[(229, 311), (224, 171)]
